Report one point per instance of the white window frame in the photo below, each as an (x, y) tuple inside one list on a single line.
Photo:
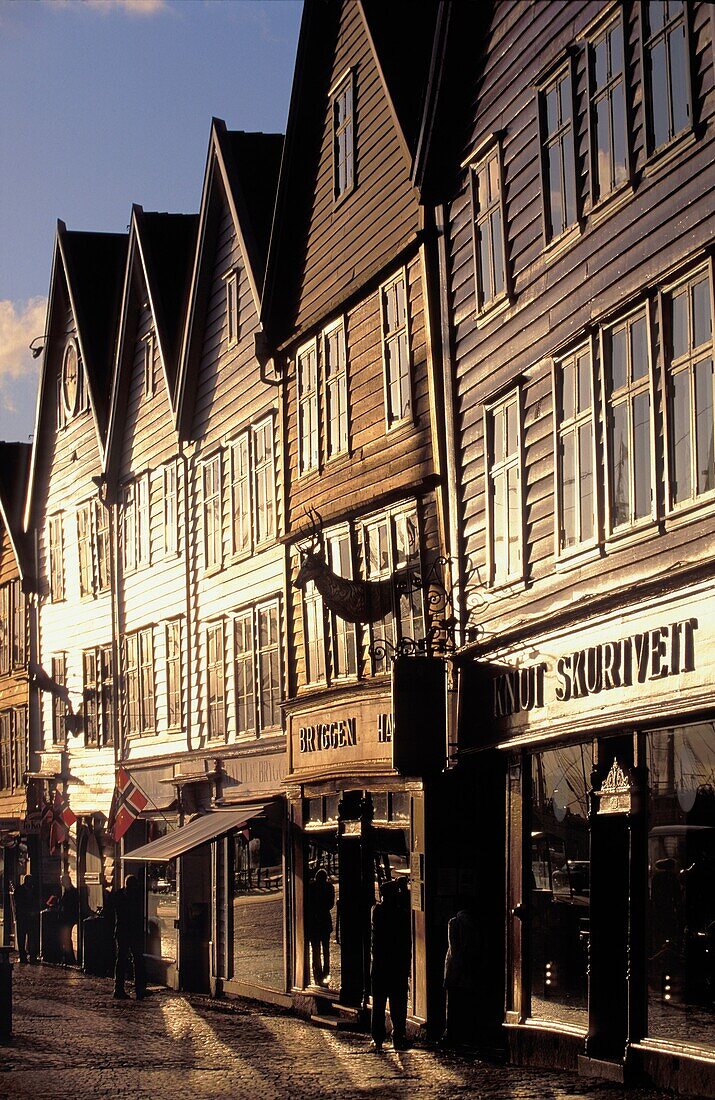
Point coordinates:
[(335, 386), (174, 684), (20, 737), (148, 348), (170, 496), (487, 207), (498, 470), (245, 657), (107, 692), (263, 480), (18, 626), (139, 672), (241, 495), (308, 411), (314, 634), (389, 628), (102, 547), (572, 427), (56, 565), (626, 396), (85, 555), (136, 516), (650, 41), (6, 768), (399, 337), (685, 364), (212, 506), (91, 698), (58, 667), (269, 607), (231, 282), (606, 93), (342, 634), (561, 135), (215, 681), (344, 132), (5, 630)]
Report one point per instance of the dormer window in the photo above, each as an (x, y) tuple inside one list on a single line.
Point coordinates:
[(231, 281), (343, 136)]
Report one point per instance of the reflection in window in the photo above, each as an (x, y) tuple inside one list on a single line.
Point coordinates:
[(161, 901), (575, 431), (666, 64), (560, 883), (559, 168), (681, 883), (488, 230), (609, 157), (255, 881), (504, 458), (629, 405)]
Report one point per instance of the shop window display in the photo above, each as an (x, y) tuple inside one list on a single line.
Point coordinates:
[(681, 884), (559, 884), (257, 905), (161, 910)]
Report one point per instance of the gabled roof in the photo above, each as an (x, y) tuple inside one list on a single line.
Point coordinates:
[(161, 250), (14, 472), (400, 34), (244, 168), (90, 265)]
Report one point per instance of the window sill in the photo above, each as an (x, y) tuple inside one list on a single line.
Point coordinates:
[(495, 309), (613, 202), (213, 570), (304, 476), (680, 1049), (239, 556), (508, 586), (340, 200), (624, 537), (554, 1025), (405, 426), (265, 543), (335, 461), (557, 245), (662, 157), (691, 511), (580, 555)]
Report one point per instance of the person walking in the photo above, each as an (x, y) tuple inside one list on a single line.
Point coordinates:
[(391, 953), (460, 976), (129, 938), (68, 917), (321, 899), (27, 920)]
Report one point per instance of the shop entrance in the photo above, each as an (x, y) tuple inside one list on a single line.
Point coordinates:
[(195, 919), (355, 842)]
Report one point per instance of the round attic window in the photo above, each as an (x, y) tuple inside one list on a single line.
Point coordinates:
[(70, 378)]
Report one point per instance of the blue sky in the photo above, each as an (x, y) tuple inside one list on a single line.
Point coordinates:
[(106, 103)]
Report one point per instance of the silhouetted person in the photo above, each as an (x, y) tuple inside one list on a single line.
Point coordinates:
[(321, 899), (391, 952), (460, 975), (68, 917), (27, 920), (129, 937)]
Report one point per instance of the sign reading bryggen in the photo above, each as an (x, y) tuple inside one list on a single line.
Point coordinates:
[(356, 733), (652, 661)]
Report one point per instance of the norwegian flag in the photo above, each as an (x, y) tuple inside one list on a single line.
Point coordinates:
[(128, 802), (58, 818)]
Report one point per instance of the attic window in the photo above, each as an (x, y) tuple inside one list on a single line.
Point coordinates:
[(344, 136), (71, 387), (149, 364), (231, 281)]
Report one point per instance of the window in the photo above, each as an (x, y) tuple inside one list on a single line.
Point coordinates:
[(56, 556), (149, 342), (20, 744), (335, 390), (609, 151), (90, 696), (139, 655), (244, 674), (628, 420), (216, 677), (314, 633), (212, 512), (504, 500), (59, 707), (106, 687), (173, 673), (18, 625), (231, 282), (135, 523), (395, 349), (269, 666), (689, 366), (170, 476), (308, 439), (72, 396), (392, 555), (240, 496), (667, 72), (264, 481), (5, 750), (101, 522), (558, 164), (343, 138), (342, 634), (5, 630), (575, 450), (488, 229), (84, 550)]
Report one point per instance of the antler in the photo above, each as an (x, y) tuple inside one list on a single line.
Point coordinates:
[(316, 522)]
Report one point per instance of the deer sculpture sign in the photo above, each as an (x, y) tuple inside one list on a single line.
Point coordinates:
[(353, 601)]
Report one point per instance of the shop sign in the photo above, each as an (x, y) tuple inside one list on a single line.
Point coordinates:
[(32, 825), (614, 797), (335, 738)]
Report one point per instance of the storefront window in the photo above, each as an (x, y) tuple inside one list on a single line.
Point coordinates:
[(161, 904), (559, 884), (257, 904), (322, 920), (681, 884)]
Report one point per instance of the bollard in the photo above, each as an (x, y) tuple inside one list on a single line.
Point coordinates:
[(5, 994)]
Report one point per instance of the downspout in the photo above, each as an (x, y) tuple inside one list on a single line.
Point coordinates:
[(187, 593), (113, 510)]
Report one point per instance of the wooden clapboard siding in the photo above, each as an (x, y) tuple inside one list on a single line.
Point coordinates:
[(560, 294), (14, 685), (230, 398), (345, 240)]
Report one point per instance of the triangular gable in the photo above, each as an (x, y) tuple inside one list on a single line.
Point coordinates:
[(399, 41), (89, 266), (161, 250), (241, 170), (14, 472)]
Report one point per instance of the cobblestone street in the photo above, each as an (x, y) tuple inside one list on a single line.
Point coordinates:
[(73, 1041)]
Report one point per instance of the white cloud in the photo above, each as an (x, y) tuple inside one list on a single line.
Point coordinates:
[(142, 8), (20, 323)]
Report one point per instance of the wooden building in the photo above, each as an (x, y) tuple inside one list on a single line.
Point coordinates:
[(568, 152), (16, 579), (213, 763), (348, 327), (67, 515)]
